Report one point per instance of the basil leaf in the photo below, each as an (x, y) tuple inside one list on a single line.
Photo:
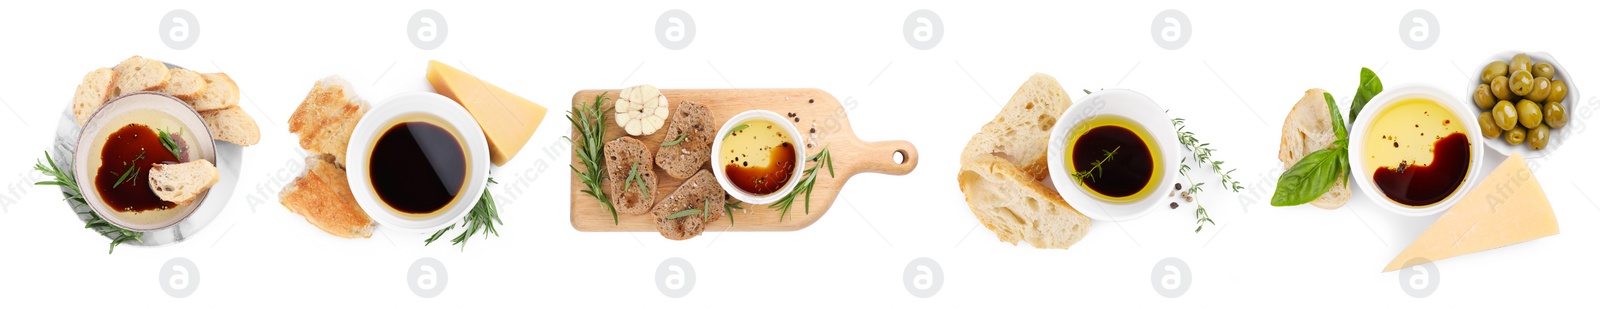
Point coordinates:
[(1339, 131), (1307, 179), (1370, 87)]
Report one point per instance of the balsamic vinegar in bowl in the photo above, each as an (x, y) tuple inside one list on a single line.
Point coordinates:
[(1113, 158)]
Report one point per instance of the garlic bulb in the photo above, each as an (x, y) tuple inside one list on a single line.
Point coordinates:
[(641, 110)]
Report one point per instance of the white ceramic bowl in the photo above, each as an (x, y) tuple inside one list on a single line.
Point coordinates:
[(1360, 129), (722, 175), (1556, 135), (1145, 113), (381, 118), (109, 119)]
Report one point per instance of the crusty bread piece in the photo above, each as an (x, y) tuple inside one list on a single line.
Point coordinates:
[(323, 197), (186, 85), (97, 87), (698, 192), (232, 125), (220, 92), (622, 155), (180, 183), (1021, 132), (1309, 128), (1003, 164), (141, 74), (1008, 201), (691, 120), (327, 117)]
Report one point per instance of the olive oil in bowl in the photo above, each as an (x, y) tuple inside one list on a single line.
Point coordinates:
[(1114, 159)]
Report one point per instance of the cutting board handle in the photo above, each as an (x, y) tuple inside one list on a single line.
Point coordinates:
[(881, 157)]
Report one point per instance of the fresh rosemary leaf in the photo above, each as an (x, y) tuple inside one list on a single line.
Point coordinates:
[(808, 182), (480, 220), (684, 213), (681, 137)]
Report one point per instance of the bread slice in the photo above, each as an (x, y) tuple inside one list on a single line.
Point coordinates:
[(625, 155), (327, 117), (220, 92), (700, 191), (97, 87), (180, 183), (232, 125), (1309, 128), (1021, 132), (692, 122), (186, 85), (1008, 201), (323, 197), (141, 74)]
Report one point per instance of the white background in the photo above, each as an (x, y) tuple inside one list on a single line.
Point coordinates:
[(1242, 69)]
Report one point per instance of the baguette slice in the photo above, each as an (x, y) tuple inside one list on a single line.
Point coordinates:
[(232, 125), (186, 85), (141, 74), (1309, 128), (622, 155), (1008, 201), (1021, 132), (698, 192), (692, 121), (97, 87), (220, 92), (323, 197), (326, 118), (180, 183)]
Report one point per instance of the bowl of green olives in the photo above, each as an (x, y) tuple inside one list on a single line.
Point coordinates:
[(1522, 99)]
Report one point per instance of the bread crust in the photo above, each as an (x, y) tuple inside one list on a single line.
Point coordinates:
[(327, 117)]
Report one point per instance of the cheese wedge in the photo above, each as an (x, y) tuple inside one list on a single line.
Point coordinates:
[(507, 119), (1507, 208)]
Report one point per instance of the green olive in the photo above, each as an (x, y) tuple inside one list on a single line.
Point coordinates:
[(1544, 70), (1529, 114), (1520, 62), (1541, 90), (1516, 135), (1486, 124), (1538, 137), (1495, 69), (1500, 86), (1558, 91), (1555, 115), (1482, 97), (1521, 83), (1505, 115)]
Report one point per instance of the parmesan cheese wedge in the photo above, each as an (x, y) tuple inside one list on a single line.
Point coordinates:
[(508, 120), (1507, 208)]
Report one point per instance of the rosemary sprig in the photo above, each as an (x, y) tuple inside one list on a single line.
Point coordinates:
[(132, 172), (729, 207), (588, 124), (171, 145), (68, 182), (806, 184), (481, 218), (1094, 169), (681, 137)]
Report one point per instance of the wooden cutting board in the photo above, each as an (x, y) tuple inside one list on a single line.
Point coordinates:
[(815, 108)]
